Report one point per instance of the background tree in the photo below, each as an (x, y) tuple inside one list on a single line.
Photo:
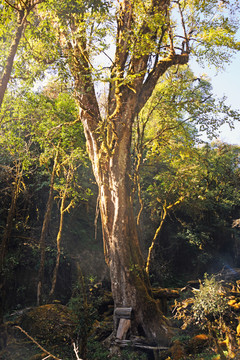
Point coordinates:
[(45, 135), (14, 14), (56, 134), (200, 228), (165, 141), (16, 142)]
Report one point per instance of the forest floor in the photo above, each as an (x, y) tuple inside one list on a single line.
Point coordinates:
[(50, 327), (20, 348)]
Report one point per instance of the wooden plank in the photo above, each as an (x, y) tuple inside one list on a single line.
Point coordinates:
[(123, 327), (123, 313), (127, 343)]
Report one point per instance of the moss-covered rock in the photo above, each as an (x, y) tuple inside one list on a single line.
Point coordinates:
[(53, 323)]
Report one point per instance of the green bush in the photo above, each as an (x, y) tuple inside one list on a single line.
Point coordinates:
[(209, 304)]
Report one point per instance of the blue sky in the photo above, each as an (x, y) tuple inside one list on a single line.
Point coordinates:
[(227, 83)]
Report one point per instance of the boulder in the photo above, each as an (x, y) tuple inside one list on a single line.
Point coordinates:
[(53, 323)]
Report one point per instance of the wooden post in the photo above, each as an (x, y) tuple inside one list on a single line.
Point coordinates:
[(123, 325)]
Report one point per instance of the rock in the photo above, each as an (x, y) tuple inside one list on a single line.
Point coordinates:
[(53, 323)]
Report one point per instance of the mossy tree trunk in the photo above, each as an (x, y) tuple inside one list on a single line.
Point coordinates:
[(129, 281), (46, 221), (7, 232), (63, 209)]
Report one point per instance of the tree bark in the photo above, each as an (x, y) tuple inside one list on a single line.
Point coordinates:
[(45, 225), (11, 213), (7, 234), (63, 209), (129, 281), (12, 52)]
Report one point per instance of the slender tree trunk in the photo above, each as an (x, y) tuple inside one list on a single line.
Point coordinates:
[(84, 334), (45, 225), (157, 232), (11, 213), (7, 234), (59, 235), (166, 209), (21, 21)]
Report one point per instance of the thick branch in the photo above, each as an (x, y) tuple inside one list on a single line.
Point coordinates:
[(124, 23), (11, 5), (146, 39), (153, 77), (80, 67), (123, 33)]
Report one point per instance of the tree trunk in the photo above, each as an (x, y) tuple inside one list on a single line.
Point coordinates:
[(45, 225), (63, 209), (59, 236), (129, 280), (6, 235), (11, 213), (12, 52)]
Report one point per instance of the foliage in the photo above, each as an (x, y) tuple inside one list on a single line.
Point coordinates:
[(168, 164), (84, 309), (32, 126), (206, 308), (214, 309), (198, 188), (209, 303)]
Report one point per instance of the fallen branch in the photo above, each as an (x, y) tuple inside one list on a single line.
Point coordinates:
[(165, 293), (75, 349), (36, 343)]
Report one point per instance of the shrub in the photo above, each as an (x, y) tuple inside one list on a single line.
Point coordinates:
[(209, 303)]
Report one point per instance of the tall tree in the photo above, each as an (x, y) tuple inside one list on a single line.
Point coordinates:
[(15, 142), (22, 10), (150, 37), (46, 221)]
